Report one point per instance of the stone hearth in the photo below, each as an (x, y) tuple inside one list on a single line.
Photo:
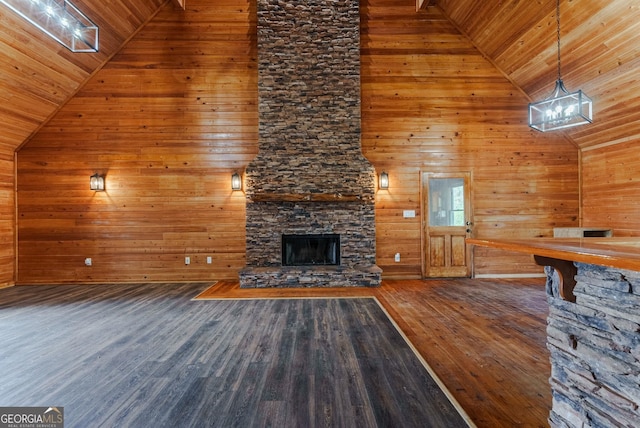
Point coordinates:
[(309, 176)]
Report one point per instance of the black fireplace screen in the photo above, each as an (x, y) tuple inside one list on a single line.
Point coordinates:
[(310, 250)]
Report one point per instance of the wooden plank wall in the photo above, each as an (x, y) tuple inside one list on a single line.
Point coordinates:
[(175, 113), (433, 103), (39, 75), (167, 120), (7, 215), (611, 188)]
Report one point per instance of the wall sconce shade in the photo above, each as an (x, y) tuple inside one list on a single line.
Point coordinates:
[(236, 182), (60, 20), (96, 182), (384, 180)]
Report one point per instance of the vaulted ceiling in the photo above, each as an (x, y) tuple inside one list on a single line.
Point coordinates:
[(38, 75), (600, 55)]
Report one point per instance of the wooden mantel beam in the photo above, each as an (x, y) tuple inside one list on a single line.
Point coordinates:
[(308, 197)]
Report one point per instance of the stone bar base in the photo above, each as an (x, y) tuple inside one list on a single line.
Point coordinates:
[(312, 276), (595, 349)]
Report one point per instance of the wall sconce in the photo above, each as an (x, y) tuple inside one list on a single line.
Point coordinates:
[(60, 20), (384, 180), (96, 182), (236, 182)]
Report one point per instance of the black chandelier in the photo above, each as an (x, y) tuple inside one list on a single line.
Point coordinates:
[(562, 109)]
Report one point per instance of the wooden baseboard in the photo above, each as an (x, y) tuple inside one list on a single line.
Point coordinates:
[(510, 275)]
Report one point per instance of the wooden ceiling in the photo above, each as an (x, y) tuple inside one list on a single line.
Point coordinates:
[(600, 55), (39, 75)]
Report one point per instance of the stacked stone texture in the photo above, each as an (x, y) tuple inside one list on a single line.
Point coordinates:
[(309, 143), (309, 100), (595, 350)]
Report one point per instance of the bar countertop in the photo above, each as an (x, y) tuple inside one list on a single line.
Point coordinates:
[(623, 253)]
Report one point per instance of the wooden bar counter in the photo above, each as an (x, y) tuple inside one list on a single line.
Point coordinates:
[(593, 326), (623, 253)]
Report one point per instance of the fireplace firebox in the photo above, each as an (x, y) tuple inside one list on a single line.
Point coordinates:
[(311, 250)]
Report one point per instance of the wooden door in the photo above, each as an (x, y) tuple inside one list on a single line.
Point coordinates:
[(447, 221)]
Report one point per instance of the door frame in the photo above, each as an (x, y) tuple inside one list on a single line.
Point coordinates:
[(424, 209)]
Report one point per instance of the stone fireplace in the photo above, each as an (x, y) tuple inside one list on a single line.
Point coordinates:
[(309, 177)]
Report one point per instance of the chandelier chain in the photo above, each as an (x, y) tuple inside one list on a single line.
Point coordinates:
[(558, 35)]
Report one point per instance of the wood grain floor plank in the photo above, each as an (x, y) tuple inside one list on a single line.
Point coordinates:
[(484, 338), (139, 354)]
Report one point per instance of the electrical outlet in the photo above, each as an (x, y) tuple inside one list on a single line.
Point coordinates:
[(209, 260), (397, 258), (87, 261), (187, 260)]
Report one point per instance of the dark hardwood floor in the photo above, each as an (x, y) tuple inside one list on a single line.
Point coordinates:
[(485, 339)]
